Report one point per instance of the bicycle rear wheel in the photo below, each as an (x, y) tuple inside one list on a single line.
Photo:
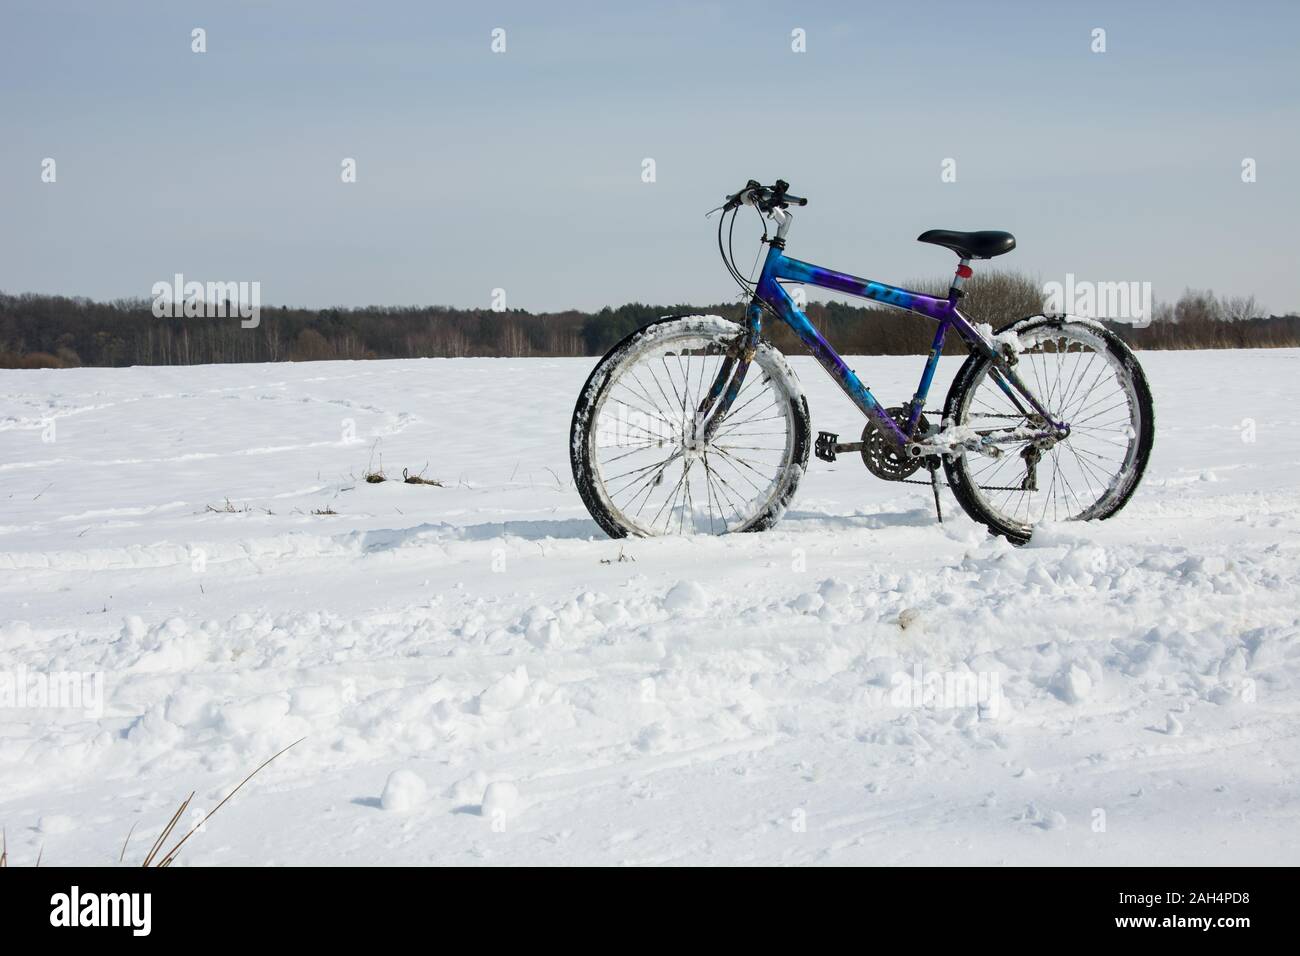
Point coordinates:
[(1085, 376), (640, 460)]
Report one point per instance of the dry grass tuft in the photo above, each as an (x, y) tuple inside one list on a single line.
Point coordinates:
[(373, 475), (158, 857), (419, 479), (231, 509), (153, 859)]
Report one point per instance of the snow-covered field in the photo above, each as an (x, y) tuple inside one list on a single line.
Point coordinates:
[(1120, 693)]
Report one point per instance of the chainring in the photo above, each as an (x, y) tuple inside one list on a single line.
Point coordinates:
[(879, 454)]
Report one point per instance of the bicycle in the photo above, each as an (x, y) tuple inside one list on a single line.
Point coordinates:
[(675, 433)]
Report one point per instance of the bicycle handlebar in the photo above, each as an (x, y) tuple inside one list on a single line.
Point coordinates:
[(765, 198)]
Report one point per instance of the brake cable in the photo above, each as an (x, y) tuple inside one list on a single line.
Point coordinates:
[(748, 289), (761, 242), (722, 253)]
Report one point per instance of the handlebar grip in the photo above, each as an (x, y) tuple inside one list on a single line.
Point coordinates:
[(781, 198)]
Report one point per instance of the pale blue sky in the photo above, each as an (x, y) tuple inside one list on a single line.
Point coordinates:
[(523, 170)]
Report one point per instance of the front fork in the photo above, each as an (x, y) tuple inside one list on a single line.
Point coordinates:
[(717, 402)]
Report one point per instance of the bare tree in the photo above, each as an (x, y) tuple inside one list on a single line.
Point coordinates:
[(1240, 307)]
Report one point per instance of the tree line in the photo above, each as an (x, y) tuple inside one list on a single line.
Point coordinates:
[(42, 331)]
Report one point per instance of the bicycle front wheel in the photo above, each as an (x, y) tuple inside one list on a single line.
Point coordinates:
[(640, 459)]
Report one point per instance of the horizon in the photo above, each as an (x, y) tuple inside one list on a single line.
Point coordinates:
[(146, 301)]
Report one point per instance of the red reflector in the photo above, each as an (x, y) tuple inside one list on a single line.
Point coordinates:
[(965, 272)]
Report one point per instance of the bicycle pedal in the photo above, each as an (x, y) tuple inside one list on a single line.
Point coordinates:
[(825, 447)]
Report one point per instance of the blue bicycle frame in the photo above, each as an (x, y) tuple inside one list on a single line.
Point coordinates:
[(770, 294)]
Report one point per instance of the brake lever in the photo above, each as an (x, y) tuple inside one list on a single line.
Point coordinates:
[(731, 203), (735, 200)]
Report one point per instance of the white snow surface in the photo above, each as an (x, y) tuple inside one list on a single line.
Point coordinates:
[(517, 689)]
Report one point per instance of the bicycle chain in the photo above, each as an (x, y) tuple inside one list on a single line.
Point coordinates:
[(918, 481)]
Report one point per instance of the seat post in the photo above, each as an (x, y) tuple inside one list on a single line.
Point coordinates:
[(964, 272)]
